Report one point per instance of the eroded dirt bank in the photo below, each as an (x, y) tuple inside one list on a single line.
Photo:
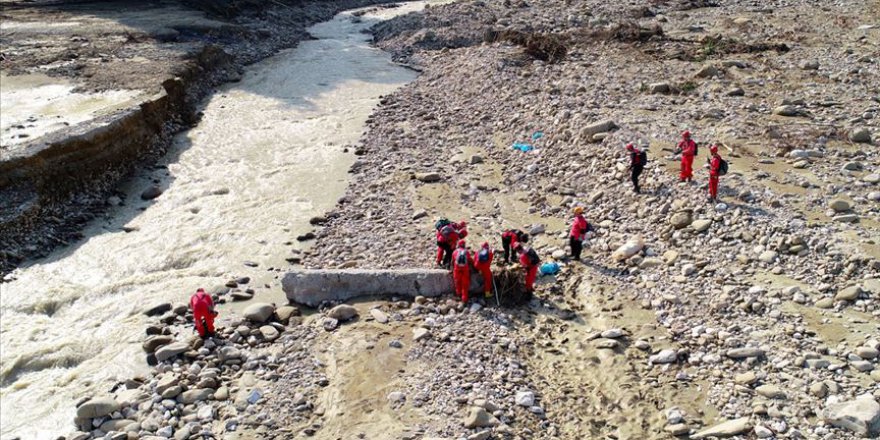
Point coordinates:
[(57, 175)]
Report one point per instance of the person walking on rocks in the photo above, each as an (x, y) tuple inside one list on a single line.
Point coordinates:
[(717, 168), (483, 263), (638, 158), (688, 150), (530, 261), (509, 240), (579, 229), (462, 261), (202, 306)]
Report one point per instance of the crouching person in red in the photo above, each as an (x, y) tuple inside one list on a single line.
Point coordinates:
[(530, 261), (462, 261), (202, 306), (483, 263)]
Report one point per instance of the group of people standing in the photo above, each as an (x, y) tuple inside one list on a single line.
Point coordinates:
[(688, 150), (462, 260)]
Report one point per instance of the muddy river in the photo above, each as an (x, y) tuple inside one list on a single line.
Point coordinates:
[(239, 187)]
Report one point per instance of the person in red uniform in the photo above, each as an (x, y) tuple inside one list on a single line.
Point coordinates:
[(202, 306), (461, 228), (714, 167), (688, 150), (530, 261), (447, 237), (636, 165), (483, 263), (462, 261), (509, 239), (579, 228)]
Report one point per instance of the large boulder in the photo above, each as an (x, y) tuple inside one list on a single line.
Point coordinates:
[(861, 415), (681, 219), (729, 428), (860, 135), (169, 351), (633, 246), (342, 312), (479, 418), (259, 312), (840, 205), (597, 127), (97, 407), (196, 395)]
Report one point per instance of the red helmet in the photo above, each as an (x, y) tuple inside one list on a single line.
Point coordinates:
[(485, 245), (461, 243), (686, 134), (462, 223), (713, 149), (629, 147)]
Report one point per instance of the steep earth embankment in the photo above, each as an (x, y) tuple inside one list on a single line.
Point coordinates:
[(54, 180)]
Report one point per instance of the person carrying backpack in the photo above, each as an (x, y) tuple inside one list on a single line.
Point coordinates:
[(202, 306), (462, 261), (638, 158), (530, 262), (688, 150), (447, 237), (717, 168), (483, 263), (509, 239)]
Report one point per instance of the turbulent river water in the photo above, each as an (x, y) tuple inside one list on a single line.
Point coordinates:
[(238, 187)]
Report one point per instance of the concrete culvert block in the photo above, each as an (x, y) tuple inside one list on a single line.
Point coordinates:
[(312, 287)]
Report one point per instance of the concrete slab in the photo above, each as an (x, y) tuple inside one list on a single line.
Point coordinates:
[(311, 287)]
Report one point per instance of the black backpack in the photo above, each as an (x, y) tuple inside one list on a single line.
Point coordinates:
[(534, 259), (441, 223), (462, 259), (696, 149), (722, 167), (483, 256), (447, 230), (642, 158)]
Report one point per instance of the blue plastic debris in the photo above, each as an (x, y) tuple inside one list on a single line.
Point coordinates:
[(525, 148), (549, 269), (537, 135)]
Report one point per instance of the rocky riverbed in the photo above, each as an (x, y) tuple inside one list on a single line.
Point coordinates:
[(755, 317)]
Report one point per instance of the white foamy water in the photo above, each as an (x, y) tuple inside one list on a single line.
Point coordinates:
[(239, 186)]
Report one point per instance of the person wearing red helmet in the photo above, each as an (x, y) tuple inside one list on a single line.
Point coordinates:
[(638, 158), (461, 228), (483, 263), (447, 237), (688, 150), (202, 306), (530, 261), (714, 172), (509, 240), (462, 261)]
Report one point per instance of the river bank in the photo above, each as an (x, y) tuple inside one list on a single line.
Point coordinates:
[(230, 204), (123, 78)]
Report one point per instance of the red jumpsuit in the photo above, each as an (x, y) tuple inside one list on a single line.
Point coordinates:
[(531, 270), (461, 273), (446, 245), (485, 268), (688, 150), (714, 166), (509, 239), (203, 309)]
